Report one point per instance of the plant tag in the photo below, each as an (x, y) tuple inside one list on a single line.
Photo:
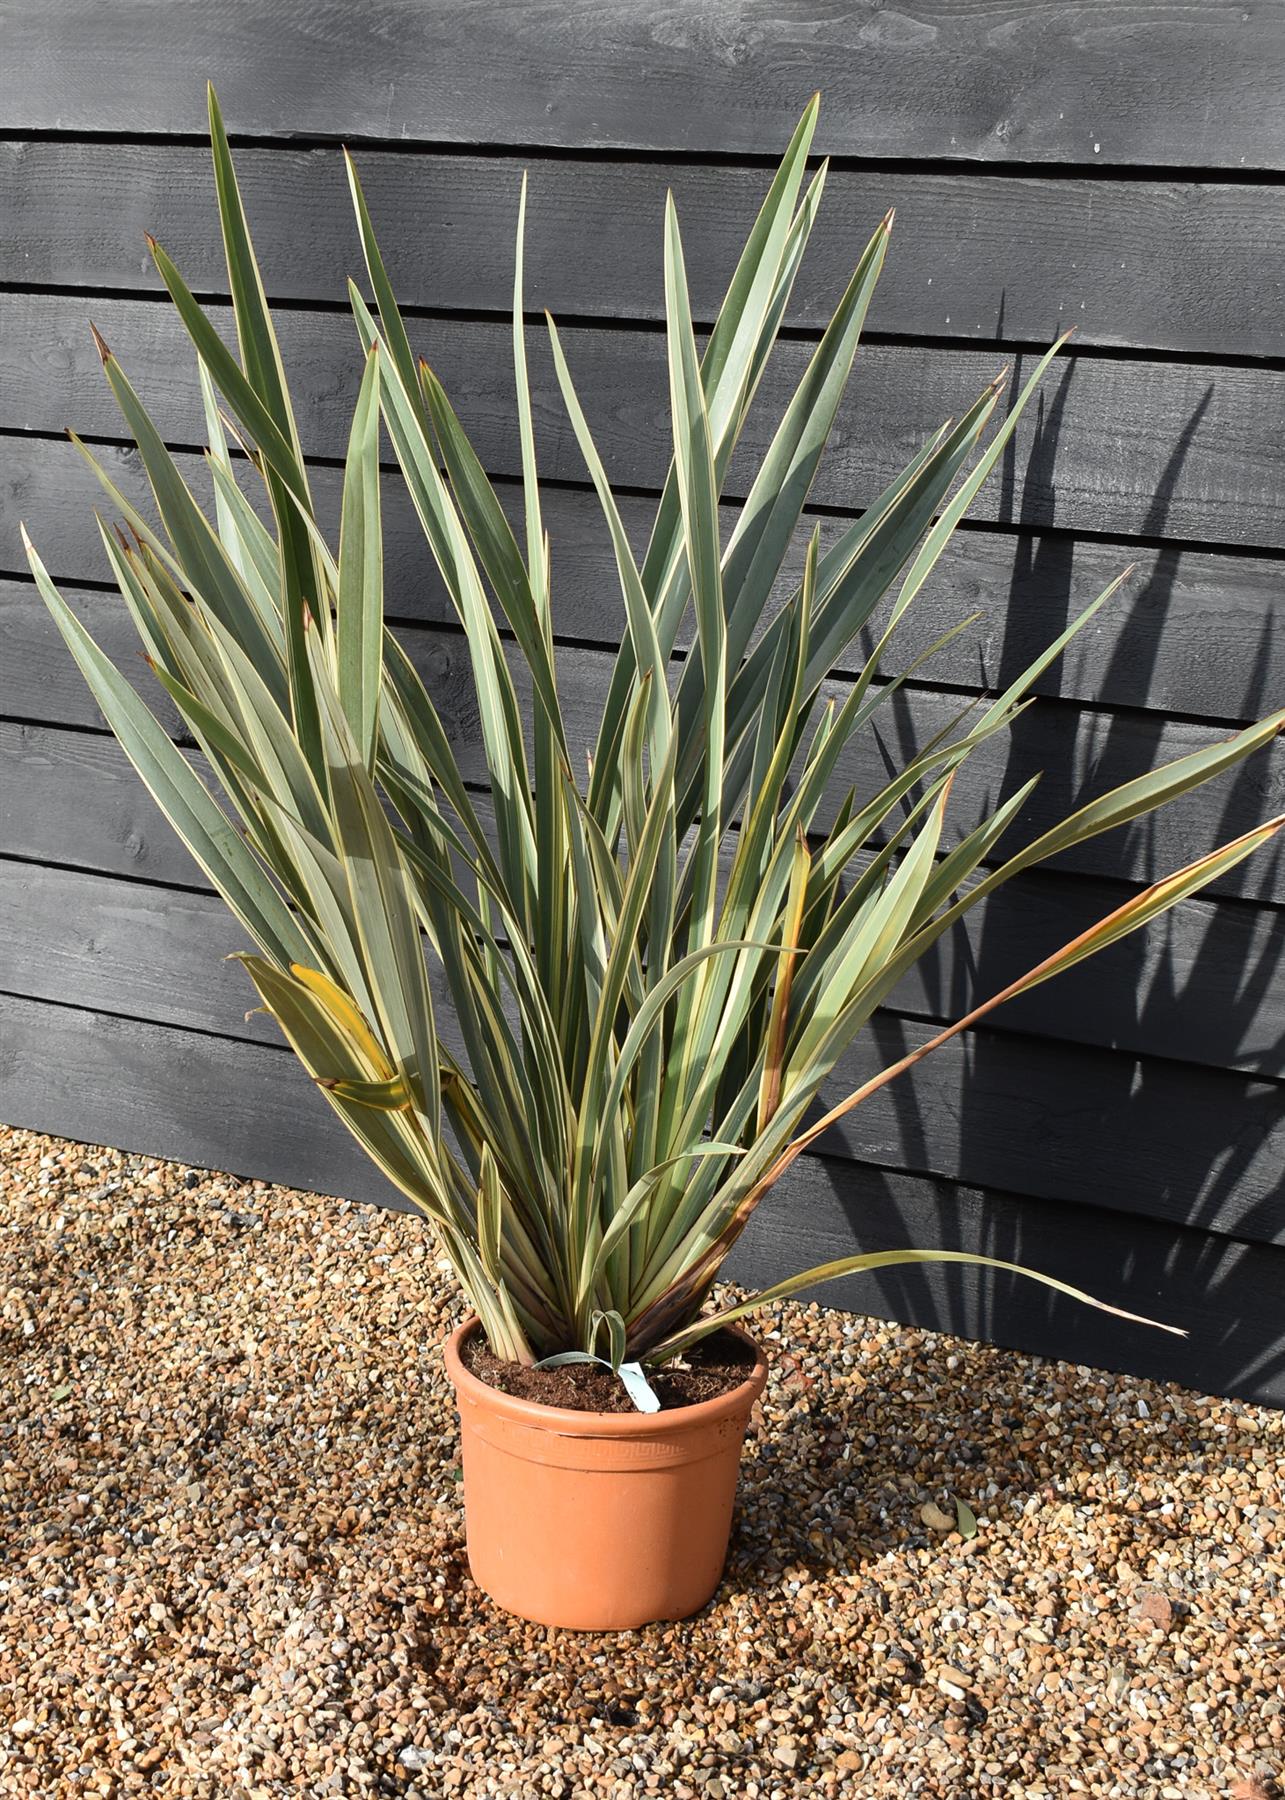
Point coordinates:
[(638, 1387), (631, 1373)]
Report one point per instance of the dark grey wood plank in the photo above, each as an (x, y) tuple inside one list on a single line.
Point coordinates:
[(156, 954), (72, 797), (1168, 1140), (1192, 633), (113, 1080), (124, 947), (1081, 752), (1071, 1123), (1226, 1295), (1115, 445), (1192, 85), (1191, 266), (98, 1079), (1203, 987)]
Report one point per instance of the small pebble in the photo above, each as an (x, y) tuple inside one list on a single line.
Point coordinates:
[(1155, 1609), (936, 1519)]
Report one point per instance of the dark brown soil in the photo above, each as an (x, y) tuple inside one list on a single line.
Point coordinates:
[(715, 1366)]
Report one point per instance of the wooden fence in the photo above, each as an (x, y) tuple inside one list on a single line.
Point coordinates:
[(1115, 168)]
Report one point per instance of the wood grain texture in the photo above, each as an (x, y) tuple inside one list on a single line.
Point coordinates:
[(1150, 82), (1191, 266), (1117, 445), (1192, 633), (99, 1079)]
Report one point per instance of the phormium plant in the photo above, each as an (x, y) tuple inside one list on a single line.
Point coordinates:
[(653, 960)]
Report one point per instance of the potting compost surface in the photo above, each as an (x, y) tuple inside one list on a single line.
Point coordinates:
[(232, 1563), (716, 1365)]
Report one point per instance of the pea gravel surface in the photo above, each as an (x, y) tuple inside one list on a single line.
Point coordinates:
[(231, 1544)]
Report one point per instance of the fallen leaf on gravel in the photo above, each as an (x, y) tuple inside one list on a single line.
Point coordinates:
[(965, 1520)]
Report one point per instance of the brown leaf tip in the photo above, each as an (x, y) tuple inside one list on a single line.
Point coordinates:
[(100, 344)]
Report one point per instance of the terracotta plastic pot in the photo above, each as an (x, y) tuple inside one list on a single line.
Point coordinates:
[(598, 1521)]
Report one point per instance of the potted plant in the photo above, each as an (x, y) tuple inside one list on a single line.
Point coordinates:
[(645, 973)]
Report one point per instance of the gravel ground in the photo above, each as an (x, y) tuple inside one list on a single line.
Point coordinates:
[(231, 1556)]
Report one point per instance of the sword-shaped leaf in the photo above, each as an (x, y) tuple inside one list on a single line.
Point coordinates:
[(179, 792), (360, 624)]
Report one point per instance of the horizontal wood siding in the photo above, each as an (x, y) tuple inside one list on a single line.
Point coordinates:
[(100, 1077), (1078, 81), (1147, 447), (1116, 169), (1169, 264)]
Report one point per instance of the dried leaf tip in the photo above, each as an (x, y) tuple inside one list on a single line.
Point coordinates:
[(100, 344), (888, 217)]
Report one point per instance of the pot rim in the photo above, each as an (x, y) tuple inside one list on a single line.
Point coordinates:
[(569, 1422)]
